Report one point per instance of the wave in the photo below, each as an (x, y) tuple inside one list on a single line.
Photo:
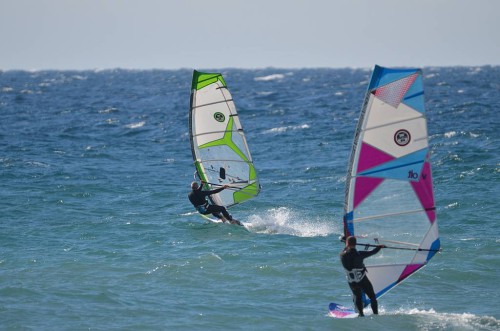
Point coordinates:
[(417, 319), (433, 320)]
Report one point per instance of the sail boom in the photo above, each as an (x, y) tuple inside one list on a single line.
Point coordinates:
[(401, 243)]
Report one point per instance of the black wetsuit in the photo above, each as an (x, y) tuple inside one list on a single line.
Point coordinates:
[(198, 198), (352, 260)]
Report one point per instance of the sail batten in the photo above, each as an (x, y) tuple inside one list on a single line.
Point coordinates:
[(218, 144), (392, 123), (389, 196), (213, 103), (373, 217)]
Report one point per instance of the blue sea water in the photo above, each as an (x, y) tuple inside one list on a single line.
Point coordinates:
[(96, 232)]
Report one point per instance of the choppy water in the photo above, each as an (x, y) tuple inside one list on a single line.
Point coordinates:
[(96, 231)]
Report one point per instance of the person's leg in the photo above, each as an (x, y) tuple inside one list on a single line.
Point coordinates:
[(357, 298), (219, 216), (368, 289), (215, 209)]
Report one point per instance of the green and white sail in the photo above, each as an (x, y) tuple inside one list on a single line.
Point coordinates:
[(220, 151)]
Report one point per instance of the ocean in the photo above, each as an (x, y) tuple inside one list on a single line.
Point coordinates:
[(97, 233)]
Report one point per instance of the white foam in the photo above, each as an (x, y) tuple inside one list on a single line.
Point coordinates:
[(283, 220), (269, 77), (108, 110), (450, 134), (433, 320), (286, 128), (135, 125)]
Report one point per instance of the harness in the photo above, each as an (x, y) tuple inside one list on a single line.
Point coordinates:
[(202, 209), (355, 275)]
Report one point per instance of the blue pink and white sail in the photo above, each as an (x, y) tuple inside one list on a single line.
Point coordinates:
[(389, 191)]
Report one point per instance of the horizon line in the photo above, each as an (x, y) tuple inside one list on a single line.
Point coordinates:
[(97, 69)]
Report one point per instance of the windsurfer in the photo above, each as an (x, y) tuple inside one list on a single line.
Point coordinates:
[(198, 198), (355, 269)]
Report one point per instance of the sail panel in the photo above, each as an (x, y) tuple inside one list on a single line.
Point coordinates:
[(382, 76), (405, 168), (371, 157), (394, 92), (382, 112), (395, 131), (414, 97)]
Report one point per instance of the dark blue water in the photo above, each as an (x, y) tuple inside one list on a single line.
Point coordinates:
[(96, 231)]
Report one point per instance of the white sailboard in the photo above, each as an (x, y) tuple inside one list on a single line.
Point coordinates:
[(389, 197), (218, 144)]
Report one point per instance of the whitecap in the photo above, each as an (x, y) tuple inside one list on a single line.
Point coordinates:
[(269, 77), (79, 77), (450, 134), (452, 205), (135, 125), (38, 164), (108, 110), (474, 70), (286, 128)]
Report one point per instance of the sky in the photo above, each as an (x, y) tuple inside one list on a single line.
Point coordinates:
[(210, 34)]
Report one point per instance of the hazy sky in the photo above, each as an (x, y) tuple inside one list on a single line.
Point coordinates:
[(203, 34)]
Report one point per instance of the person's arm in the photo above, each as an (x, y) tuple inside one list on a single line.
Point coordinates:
[(374, 251), (207, 193), (216, 190), (343, 260)]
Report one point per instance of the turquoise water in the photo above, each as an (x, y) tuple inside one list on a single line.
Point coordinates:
[(97, 233)]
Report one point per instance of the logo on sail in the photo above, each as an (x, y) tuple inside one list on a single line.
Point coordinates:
[(219, 117), (413, 174), (402, 137)]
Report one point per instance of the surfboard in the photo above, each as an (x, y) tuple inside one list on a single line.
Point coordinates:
[(211, 219), (339, 311), (219, 221)]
